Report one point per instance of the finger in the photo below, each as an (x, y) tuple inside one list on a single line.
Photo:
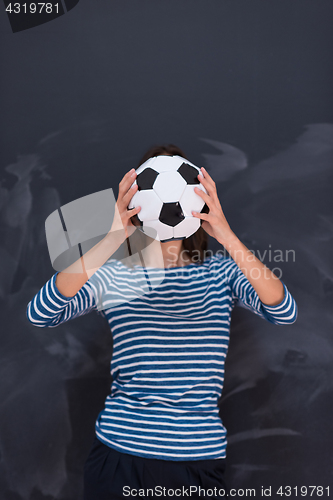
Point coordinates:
[(201, 215), (207, 199), (206, 175), (132, 211), (208, 184), (207, 178), (127, 180), (127, 175), (211, 190), (129, 195)]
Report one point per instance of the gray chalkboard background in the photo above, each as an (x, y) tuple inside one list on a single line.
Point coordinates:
[(244, 88)]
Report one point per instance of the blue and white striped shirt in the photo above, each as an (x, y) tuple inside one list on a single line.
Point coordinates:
[(169, 349)]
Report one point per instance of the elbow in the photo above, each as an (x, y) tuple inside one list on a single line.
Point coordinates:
[(35, 319), (289, 318), (293, 316)]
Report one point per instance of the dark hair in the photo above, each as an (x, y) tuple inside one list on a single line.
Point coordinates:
[(197, 242)]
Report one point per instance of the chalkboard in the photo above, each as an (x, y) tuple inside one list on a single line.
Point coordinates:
[(245, 89)]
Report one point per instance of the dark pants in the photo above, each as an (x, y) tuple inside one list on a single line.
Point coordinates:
[(111, 475)]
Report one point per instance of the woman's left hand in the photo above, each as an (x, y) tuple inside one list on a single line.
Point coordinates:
[(267, 285), (214, 223)]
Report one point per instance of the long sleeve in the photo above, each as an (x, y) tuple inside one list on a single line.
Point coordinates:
[(50, 308), (281, 314)]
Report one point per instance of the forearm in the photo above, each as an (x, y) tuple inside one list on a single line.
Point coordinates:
[(267, 285), (269, 288), (71, 280)]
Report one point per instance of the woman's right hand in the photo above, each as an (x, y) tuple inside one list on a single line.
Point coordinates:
[(122, 215), (72, 279)]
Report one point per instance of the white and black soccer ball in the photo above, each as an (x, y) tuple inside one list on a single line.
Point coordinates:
[(166, 196)]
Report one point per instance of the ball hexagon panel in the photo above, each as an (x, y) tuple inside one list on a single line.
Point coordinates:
[(166, 163), (149, 202), (169, 186), (171, 214), (164, 232), (187, 226), (190, 200)]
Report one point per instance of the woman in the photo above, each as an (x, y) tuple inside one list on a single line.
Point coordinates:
[(160, 427)]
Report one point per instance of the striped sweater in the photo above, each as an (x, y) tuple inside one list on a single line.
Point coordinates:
[(170, 342)]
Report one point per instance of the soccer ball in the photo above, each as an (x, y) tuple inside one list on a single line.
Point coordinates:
[(166, 196)]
